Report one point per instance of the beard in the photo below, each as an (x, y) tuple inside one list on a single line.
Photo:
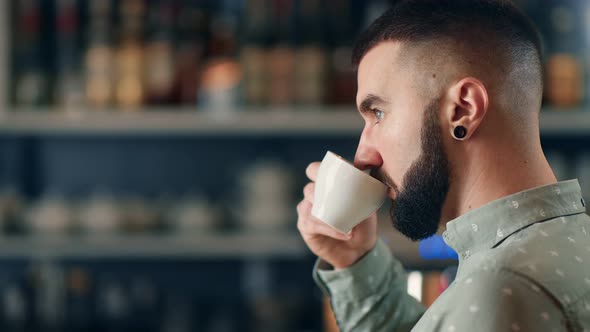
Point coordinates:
[(416, 210)]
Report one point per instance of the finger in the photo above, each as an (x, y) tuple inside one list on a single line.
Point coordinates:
[(312, 170), (304, 209), (362, 224), (319, 227), (303, 212), (309, 192), (307, 224)]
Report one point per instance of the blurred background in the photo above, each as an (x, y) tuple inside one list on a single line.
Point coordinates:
[(152, 153)]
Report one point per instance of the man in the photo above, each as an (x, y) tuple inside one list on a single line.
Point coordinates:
[(450, 91)]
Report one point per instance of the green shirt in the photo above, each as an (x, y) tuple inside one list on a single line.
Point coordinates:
[(524, 265)]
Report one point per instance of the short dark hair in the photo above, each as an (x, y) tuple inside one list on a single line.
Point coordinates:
[(477, 20)]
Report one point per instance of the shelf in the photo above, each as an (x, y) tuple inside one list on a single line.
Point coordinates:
[(565, 122), (276, 121), (259, 121), (265, 245), (212, 247), (202, 247)]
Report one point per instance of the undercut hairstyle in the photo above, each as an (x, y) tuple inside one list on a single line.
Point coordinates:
[(496, 28)]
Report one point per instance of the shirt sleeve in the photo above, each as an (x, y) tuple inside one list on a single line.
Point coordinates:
[(371, 295), (497, 301)]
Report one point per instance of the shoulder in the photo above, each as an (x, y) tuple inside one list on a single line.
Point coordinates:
[(500, 300), (499, 284), (553, 255)]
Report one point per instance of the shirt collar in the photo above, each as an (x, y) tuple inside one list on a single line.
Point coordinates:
[(486, 226)]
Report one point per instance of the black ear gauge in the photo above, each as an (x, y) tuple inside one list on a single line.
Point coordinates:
[(460, 132)]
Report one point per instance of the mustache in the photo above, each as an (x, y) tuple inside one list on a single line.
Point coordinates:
[(382, 176)]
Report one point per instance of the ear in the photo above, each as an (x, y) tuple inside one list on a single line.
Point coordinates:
[(469, 105)]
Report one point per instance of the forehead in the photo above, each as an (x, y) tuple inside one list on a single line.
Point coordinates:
[(380, 70)]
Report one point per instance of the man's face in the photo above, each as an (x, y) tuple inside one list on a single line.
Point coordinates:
[(402, 140)]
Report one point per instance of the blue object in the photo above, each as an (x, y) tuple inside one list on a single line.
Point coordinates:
[(435, 247)]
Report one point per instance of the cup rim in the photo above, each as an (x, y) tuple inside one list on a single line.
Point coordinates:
[(356, 169)]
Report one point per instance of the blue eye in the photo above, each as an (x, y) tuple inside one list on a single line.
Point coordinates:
[(379, 115)]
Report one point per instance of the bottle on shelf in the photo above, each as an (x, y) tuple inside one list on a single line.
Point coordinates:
[(564, 86), (311, 56), (221, 78), (51, 215), (12, 206), (265, 198), (254, 52), (139, 215), (159, 54), (79, 299), (69, 93), (113, 304), (564, 70), (129, 57), (100, 214), (281, 55), (49, 296), (192, 25), (193, 214), (99, 57), (30, 72), (342, 82)]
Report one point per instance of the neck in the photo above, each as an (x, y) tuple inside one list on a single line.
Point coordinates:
[(491, 176)]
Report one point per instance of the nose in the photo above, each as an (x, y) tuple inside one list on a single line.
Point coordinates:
[(367, 156)]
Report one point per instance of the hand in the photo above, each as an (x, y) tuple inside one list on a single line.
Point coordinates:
[(338, 249)]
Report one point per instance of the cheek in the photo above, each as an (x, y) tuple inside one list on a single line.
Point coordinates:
[(399, 147)]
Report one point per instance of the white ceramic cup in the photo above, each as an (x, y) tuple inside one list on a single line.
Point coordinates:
[(345, 195)]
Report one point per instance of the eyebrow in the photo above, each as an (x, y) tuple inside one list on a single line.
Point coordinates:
[(369, 101)]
